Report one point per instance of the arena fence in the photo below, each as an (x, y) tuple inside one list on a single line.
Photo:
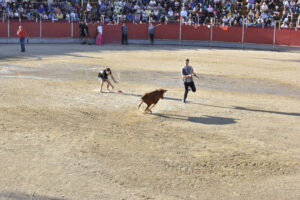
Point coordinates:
[(176, 33)]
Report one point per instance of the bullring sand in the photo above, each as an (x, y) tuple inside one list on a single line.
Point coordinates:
[(236, 138)]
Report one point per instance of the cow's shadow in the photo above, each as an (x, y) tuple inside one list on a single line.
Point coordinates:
[(209, 120)]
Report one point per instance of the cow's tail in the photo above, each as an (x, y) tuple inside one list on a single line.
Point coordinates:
[(140, 104)]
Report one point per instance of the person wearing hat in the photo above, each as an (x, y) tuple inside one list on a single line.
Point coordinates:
[(103, 77), (187, 76)]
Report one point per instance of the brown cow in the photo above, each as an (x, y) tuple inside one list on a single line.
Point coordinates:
[(151, 98)]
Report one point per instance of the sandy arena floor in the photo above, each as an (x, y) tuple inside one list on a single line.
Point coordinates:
[(238, 137)]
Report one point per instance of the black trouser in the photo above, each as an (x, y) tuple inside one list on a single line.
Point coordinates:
[(186, 86), (151, 38), (124, 39)]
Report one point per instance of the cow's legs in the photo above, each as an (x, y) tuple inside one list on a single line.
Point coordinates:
[(140, 104), (151, 107), (147, 109)]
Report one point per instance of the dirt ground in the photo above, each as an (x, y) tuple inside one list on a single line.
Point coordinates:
[(236, 138)]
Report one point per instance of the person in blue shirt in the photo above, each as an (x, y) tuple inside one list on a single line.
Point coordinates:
[(187, 76)]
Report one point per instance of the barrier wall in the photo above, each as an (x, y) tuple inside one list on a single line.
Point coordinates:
[(287, 37), (112, 33), (55, 30), (259, 35), (201, 33), (227, 34), (3, 29), (167, 32)]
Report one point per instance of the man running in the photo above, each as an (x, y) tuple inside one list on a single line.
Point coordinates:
[(103, 77), (187, 76)]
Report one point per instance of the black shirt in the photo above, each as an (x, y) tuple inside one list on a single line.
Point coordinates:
[(103, 74)]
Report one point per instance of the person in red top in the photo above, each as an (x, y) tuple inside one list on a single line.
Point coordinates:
[(22, 34)]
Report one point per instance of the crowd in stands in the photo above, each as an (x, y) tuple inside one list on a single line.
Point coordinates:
[(192, 12)]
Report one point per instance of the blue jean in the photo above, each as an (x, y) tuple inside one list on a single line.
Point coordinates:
[(22, 42)]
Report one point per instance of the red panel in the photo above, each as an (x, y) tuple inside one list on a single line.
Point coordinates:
[(76, 31), (56, 29), (137, 31), (201, 33), (258, 35), (167, 32), (3, 29), (288, 37), (31, 27), (112, 34), (93, 30), (231, 34)]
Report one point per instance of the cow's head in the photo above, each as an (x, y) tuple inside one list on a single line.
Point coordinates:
[(161, 93)]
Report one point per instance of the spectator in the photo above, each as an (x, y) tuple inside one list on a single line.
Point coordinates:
[(192, 11), (124, 34), (44, 16), (99, 39), (41, 9), (88, 7), (264, 7), (184, 14), (156, 16), (145, 16), (250, 3), (59, 15)]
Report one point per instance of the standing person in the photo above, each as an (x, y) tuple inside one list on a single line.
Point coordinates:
[(151, 30), (86, 32), (187, 76), (81, 29), (124, 34), (103, 77), (22, 34), (99, 39)]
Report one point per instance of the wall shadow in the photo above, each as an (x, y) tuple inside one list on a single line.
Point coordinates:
[(23, 196), (266, 111), (208, 120), (41, 50)]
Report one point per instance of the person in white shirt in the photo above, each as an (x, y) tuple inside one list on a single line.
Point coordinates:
[(183, 14), (99, 39), (73, 15), (152, 3), (264, 7), (170, 12), (44, 15), (88, 7)]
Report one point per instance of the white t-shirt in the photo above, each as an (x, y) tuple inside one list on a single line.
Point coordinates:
[(88, 7), (100, 29), (152, 2), (183, 13)]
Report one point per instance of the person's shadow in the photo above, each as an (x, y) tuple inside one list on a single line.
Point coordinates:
[(209, 120)]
